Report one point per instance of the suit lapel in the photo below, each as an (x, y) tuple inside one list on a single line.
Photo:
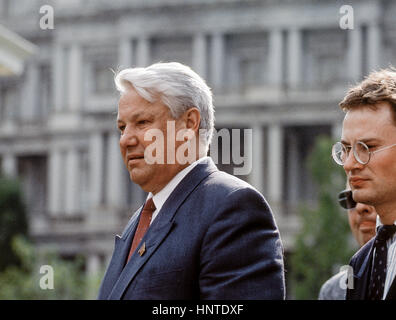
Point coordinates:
[(161, 226), (362, 278), (137, 261), (121, 250)]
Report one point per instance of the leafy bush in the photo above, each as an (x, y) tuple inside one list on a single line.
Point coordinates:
[(322, 245), (23, 282), (21, 262), (13, 220)]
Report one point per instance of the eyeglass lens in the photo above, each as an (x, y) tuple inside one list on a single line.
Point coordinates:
[(339, 153), (360, 151)]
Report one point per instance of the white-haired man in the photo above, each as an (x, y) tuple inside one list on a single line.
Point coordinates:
[(202, 234)]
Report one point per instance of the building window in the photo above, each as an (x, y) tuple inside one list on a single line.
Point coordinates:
[(246, 61), (170, 49), (32, 171), (103, 78), (389, 43), (250, 72), (99, 62), (298, 144), (325, 57), (5, 8), (9, 108)]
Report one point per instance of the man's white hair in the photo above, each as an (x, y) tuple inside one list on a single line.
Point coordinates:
[(178, 87)]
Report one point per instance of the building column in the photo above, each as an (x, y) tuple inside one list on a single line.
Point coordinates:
[(75, 73), (125, 53), (9, 165), (355, 50), (199, 54), (96, 168), (217, 60), (72, 204), (114, 187), (294, 57), (374, 47), (275, 62), (275, 164), (54, 182), (143, 52), (58, 68), (256, 177), (31, 90), (10, 113)]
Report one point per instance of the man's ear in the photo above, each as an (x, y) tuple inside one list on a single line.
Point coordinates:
[(192, 119)]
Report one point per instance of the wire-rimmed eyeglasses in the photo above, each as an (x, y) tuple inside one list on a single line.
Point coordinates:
[(360, 150)]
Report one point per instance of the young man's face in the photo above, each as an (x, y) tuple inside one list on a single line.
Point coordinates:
[(375, 182)]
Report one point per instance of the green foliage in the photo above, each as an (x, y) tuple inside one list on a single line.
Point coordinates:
[(23, 282), (322, 243), (13, 220), (21, 262)]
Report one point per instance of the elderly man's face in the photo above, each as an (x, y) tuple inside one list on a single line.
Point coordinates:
[(375, 182), (362, 220), (135, 117)]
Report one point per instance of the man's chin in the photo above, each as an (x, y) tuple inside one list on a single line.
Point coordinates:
[(136, 176), (141, 179), (362, 196)]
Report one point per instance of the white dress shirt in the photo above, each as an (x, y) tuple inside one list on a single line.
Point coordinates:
[(160, 198)]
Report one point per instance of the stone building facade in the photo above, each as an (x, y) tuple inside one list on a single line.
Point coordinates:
[(278, 67)]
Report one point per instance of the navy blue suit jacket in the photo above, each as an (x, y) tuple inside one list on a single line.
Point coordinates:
[(214, 238), (361, 264)]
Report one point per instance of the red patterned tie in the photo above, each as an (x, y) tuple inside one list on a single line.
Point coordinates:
[(144, 223)]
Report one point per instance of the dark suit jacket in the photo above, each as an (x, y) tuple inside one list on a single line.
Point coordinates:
[(214, 238), (361, 263)]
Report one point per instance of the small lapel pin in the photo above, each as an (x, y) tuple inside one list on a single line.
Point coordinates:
[(142, 249)]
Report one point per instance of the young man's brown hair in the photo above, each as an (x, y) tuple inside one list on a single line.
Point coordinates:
[(378, 86)]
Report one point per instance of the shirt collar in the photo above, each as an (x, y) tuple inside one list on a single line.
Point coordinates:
[(379, 223), (160, 198)]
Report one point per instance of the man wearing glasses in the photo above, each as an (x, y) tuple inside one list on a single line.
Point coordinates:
[(367, 152), (362, 221)]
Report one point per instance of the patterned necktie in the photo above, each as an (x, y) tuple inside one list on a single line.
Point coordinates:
[(378, 274), (144, 223)]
